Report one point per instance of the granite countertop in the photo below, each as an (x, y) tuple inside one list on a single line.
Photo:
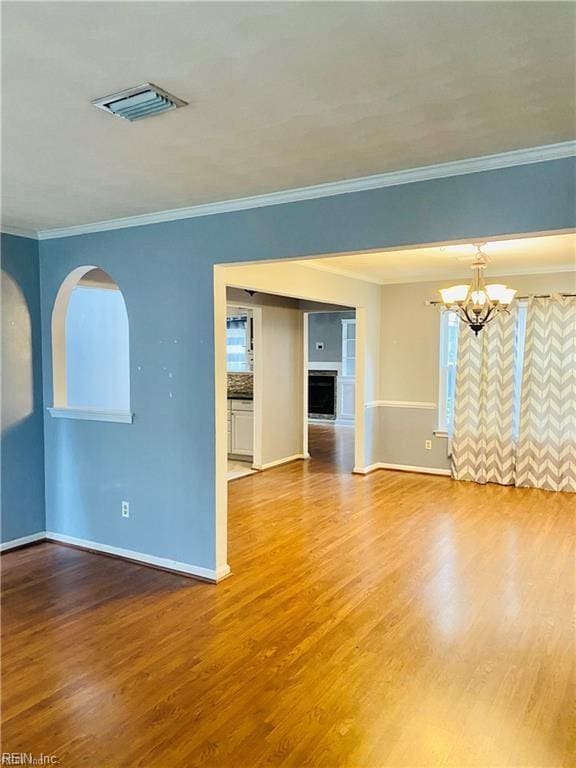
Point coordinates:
[(240, 386)]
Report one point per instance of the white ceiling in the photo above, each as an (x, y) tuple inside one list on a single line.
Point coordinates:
[(550, 253), (281, 95)]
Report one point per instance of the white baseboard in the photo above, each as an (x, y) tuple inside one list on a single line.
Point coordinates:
[(278, 462), (332, 422), (22, 541), (402, 468), (207, 574), (365, 470)]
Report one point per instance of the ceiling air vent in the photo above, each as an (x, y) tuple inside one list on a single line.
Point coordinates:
[(137, 103)]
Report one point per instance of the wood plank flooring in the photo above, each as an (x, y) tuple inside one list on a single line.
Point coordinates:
[(388, 620)]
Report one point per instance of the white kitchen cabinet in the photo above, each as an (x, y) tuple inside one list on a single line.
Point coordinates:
[(241, 428), (242, 433)]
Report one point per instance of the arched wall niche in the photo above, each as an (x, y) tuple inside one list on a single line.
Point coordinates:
[(90, 348)]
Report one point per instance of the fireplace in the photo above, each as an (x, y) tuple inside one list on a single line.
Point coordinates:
[(322, 395)]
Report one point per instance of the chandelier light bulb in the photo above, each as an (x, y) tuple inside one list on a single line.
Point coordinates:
[(477, 304)]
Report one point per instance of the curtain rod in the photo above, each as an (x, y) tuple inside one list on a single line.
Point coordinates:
[(521, 298)]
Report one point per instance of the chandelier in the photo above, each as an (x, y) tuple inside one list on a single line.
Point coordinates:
[(477, 304)]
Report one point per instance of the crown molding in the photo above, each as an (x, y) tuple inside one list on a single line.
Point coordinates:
[(419, 278), (379, 181), (18, 232), (502, 272), (335, 270)]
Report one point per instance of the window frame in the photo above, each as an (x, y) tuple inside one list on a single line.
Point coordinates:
[(444, 428)]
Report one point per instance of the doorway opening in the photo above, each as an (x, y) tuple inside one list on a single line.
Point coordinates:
[(279, 298), (331, 388), (279, 385), (240, 388)]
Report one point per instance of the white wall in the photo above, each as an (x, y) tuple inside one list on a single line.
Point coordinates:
[(279, 372), (97, 350)]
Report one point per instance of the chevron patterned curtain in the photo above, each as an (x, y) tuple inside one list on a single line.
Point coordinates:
[(547, 447), (483, 446)]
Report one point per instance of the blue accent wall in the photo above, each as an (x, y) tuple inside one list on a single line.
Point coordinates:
[(22, 420), (163, 463)]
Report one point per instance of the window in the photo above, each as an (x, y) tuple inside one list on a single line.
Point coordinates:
[(90, 339), (449, 327), (348, 347), (449, 330), (238, 343)]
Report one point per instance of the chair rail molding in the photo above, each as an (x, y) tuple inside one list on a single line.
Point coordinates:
[(401, 404)]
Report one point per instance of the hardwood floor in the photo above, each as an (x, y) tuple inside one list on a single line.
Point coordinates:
[(388, 620)]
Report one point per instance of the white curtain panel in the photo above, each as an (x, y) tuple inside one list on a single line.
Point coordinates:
[(547, 447), (483, 446)]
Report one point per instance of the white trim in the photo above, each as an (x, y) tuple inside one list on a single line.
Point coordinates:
[(305, 379), (17, 232), (419, 278), (365, 470), (420, 470), (209, 574), (342, 421), (401, 404), (278, 462), (258, 386), (402, 468), (22, 541), (496, 272), (378, 181), (318, 366), (338, 422), (87, 414)]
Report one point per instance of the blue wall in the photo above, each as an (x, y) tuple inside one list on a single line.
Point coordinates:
[(22, 421), (163, 463)]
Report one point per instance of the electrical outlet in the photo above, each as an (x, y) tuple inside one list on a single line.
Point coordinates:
[(428, 445), (125, 509)]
